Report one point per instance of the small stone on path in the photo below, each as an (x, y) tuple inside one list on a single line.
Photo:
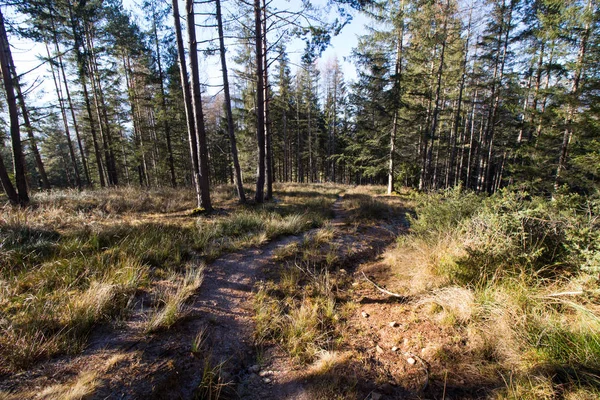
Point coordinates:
[(411, 361), (393, 324), (394, 348), (267, 380), (379, 349), (364, 314)]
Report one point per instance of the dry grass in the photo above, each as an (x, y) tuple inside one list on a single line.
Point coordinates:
[(76, 259), (85, 385), (496, 273), (453, 304), (298, 307), (172, 299)]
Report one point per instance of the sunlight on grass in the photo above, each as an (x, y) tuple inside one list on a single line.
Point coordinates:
[(74, 260), (172, 300), (510, 273)]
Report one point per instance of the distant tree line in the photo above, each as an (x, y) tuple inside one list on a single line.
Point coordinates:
[(482, 93)]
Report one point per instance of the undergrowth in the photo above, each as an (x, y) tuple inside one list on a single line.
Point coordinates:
[(518, 275)]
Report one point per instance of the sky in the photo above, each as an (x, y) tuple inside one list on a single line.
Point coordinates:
[(26, 53)]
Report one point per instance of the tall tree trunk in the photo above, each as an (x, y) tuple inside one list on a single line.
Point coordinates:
[(260, 104), (286, 150), (6, 64), (81, 67), (456, 122), (397, 100), (471, 139), (498, 76), (129, 81), (436, 108), (124, 155), (7, 185), (163, 102), (299, 167), (102, 109), (332, 146), (268, 133), (61, 66), (63, 113), (424, 137), (187, 99), (30, 134), (230, 125), (197, 107)]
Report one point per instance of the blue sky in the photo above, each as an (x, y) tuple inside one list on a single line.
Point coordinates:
[(26, 53)]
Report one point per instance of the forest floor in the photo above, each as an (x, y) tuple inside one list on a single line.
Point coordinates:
[(315, 296)]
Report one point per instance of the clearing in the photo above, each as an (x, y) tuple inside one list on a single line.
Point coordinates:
[(323, 293)]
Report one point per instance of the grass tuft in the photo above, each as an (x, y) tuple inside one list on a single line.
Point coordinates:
[(172, 300)]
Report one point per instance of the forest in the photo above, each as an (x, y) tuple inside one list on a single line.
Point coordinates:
[(198, 203), (482, 94)]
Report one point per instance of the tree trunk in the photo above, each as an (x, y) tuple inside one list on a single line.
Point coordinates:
[(71, 108), (436, 108), (101, 108), (187, 98), (7, 185), (30, 134), (299, 168), (424, 139), (197, 107), (163, 103), (230, 124), (397, 100), (498, 75), (63, 113), (260, 104), (456, 122), (268, 133), (6, 65), (81, 67)]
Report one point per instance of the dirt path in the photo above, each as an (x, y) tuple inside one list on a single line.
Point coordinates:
[(279, 378), (126, 363)]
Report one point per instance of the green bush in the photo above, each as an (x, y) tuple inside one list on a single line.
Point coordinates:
[(443, 212), (513, 232)]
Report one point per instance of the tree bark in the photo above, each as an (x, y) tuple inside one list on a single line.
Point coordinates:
[(6, 64), (268, 133), (63, 113), (163, 102), (197, 107), (260, 104), (30, 134), (84, 160), (498, 75), (230, 124), (187, 99), (102, 110), (81, 67), (456, 123), (397, 100), (436, 109)]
